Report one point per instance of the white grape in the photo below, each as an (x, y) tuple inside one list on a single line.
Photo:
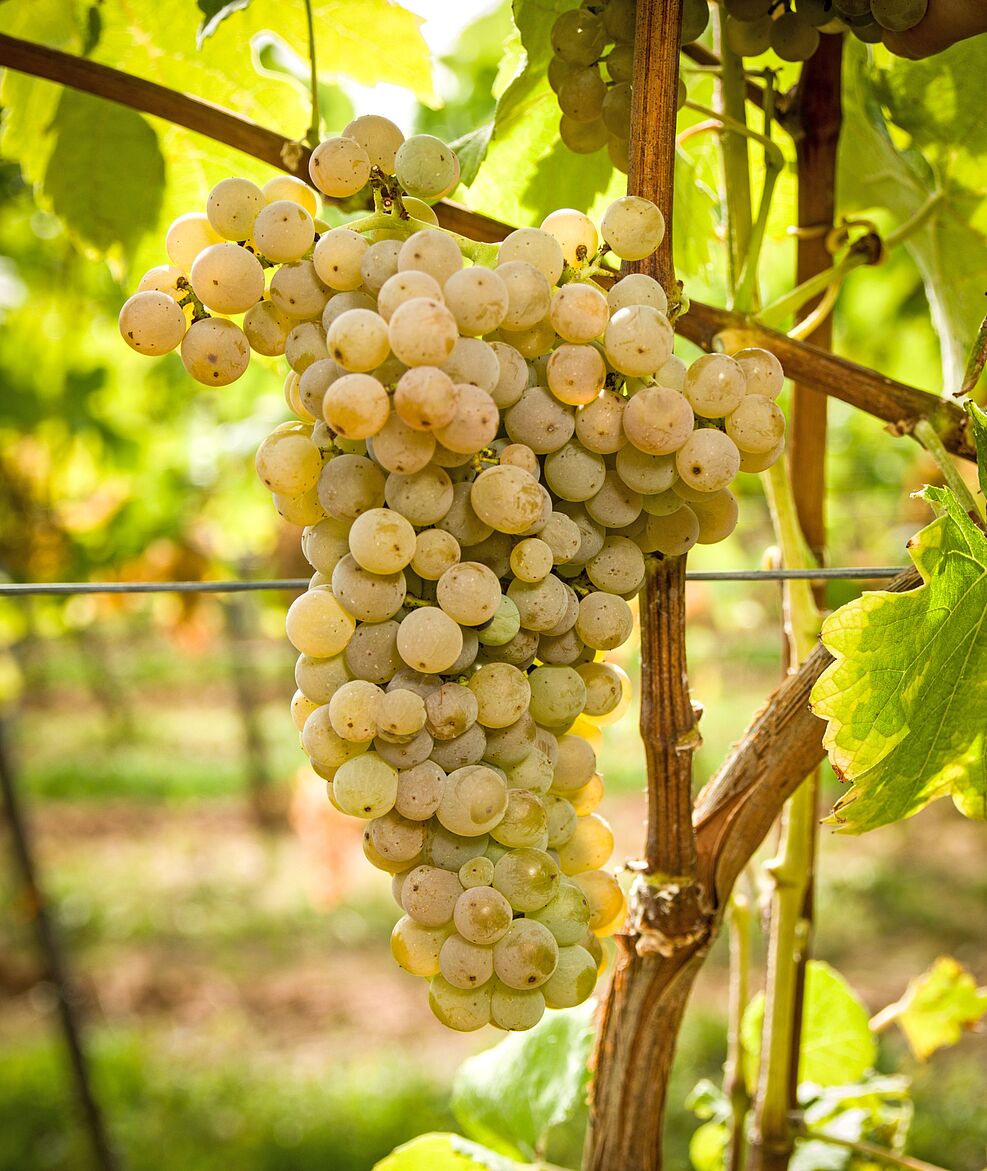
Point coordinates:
[(633, 227), (215, 351), (232, 207), (284, 231), (339, 167), (152, 323)]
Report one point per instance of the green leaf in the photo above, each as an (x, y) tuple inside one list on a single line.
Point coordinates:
[(979, 420), (529, 1092), (878, 1110), (214, 12), (444, 1152), (914, 130), (273, 58), (366, 40), (906, 697), (708, 1146), (105, 175), (526, 166), (937, 1007), (471, 150), (837, 1043)]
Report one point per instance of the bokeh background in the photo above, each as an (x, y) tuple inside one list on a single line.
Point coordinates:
[(228, 944)]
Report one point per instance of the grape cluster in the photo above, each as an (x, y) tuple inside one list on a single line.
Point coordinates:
[(483, 456), (792, 29), (591, 40)]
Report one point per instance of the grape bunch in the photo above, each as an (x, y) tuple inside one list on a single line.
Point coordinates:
[(596, 109), (483, 457), (792, 29)]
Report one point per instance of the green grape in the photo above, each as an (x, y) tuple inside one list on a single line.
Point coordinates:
[(748, 9), (515, 1008), (526, 956), (527, 878), (465, 964), (816, 12), (425, 167), (898, 15), (482, 915), (748, 38), (416, 947), (695, 18), (152, 323), (579, 37), (582, 94), (567, 915), (620, 62), (573, 980), (462, 1009), (871, 33), (619, 19), (793, 38)]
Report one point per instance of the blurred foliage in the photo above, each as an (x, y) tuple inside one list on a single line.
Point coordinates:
[(211, 1115)]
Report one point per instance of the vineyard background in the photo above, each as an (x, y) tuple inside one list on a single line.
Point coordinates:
[(228, 944)]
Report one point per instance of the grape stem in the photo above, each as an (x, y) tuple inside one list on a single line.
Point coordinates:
[(739, 923), (869, 249), (735, 153), (873, 1152), (927, 435), (746, 294), (790, 871), (474, 250), (314, 132)]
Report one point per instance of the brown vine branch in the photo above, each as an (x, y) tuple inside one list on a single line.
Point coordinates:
[(782, 745), (892, 401), (150, 98), (896, 403), (642, 1016)]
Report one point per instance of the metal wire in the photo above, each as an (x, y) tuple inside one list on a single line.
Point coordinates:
[(67, 588)]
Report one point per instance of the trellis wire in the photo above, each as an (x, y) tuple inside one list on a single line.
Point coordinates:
[(67, 588)]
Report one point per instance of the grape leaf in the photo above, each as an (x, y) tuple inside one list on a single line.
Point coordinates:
[(937, 1007), (117, 152), (527, 1094), (837, 1043), (367, 40), (978, 419), (525, 165), (708, 1146), (906, 697), (444, 1152), (935, 107), (214, 12)]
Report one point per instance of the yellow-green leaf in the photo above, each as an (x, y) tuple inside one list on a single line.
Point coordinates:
[(906, 698), (937, 1007), (837, 1044)]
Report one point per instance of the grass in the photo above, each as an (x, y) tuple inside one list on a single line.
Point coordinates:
[(198, 1113)]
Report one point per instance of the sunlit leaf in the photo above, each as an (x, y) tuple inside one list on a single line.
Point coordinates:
[(105, 175), (938, 1007), (214, 12), (444, 1152), (837, 1043), (978, 418), (708, 1145), (528, 1093), (935, 107), (906, 697)]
